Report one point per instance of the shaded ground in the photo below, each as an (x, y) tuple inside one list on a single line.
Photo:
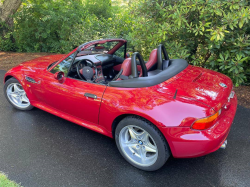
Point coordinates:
[(11, 59), (243, 94), (39, 149)]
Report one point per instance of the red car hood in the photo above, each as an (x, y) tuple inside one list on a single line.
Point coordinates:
[(204, 86), (42, 62)]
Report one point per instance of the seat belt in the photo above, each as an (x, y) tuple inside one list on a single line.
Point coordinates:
[(123, 77)]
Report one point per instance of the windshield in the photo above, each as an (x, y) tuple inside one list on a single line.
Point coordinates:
[(98, 48)]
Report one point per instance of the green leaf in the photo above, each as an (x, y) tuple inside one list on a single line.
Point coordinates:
[(241, 24)]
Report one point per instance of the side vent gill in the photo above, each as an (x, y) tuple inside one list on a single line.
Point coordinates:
[(30, 79)]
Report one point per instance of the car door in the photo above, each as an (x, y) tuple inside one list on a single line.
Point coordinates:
[(75, 97)]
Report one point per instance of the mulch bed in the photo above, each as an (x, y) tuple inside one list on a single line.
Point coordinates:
[(243, 94), (10, 59)]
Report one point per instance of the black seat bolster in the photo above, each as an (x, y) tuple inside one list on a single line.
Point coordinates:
[(165, 64)]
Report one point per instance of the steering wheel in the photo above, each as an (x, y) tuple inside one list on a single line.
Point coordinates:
[(86, 73)]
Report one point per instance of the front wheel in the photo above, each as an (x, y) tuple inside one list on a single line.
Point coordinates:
[(141, 143), (16, 95)]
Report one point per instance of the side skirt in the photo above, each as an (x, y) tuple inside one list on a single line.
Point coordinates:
[(73, 119)]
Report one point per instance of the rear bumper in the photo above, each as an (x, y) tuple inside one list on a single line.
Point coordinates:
[(186, 143)]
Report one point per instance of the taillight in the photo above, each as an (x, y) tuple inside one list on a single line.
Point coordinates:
[(205, 123)]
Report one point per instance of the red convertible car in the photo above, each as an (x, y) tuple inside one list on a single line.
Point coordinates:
[(152, 109)]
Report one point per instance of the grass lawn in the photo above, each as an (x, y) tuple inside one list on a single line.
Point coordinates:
[(5, 182)]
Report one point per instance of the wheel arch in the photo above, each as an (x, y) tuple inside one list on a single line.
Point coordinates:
[(117, 121), (8, 77)]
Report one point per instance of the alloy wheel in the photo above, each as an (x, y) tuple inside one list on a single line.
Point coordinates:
[(138, 146), (17, 95)]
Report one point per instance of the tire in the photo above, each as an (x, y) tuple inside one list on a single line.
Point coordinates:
[(16, 95), (146, 152)]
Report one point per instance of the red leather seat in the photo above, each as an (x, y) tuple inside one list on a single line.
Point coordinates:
[(126, 68), (152, 59), (126, 65), (151, 62)]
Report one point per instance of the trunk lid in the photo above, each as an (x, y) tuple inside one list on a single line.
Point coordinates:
[(206, 86)]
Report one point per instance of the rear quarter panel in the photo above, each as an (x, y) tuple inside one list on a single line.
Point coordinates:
[(157, 104)]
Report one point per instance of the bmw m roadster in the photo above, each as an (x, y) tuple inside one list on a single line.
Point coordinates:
[(152, 109)]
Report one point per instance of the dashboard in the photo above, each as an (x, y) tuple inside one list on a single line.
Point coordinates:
[(102, 63)]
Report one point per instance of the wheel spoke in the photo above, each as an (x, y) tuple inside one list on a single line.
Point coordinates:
[(132, 132), (133, 147), (9, 91), (25, 99), (17, 89), (130, 143), (19, 100), (13, 95), (150, 148), (142, 155), (144, 136), (22, 93)]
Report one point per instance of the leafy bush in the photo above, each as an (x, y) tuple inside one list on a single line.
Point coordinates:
[(211, 34), (46, 25), (207, 33), (59, 26)]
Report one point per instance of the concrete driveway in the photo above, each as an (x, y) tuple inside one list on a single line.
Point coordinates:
[(40, 149)]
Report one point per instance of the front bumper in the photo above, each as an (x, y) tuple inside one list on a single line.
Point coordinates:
[(185, 142)]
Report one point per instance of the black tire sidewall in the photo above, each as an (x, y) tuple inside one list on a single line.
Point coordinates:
[(8, 82), (162, 146)]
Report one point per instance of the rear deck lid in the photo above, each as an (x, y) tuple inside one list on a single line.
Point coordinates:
[(206, 86)]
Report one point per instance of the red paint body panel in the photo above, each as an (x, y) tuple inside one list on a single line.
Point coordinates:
[(73, 119), (69, 96), (172, 106), (185, 142)]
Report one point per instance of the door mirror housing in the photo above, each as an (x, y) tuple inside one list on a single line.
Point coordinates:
[(59, 76)]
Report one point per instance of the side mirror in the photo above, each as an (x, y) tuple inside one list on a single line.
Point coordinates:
[(59, 76)]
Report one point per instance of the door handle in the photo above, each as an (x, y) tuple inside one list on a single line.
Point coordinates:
[(90, 95)]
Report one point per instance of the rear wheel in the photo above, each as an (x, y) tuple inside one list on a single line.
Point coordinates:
[(16, 95), (141, 143)]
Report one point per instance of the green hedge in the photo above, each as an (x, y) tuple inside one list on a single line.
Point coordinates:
[(211, 34), (208, 33)]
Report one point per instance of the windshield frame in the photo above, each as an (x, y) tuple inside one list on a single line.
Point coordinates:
[(93, 49)]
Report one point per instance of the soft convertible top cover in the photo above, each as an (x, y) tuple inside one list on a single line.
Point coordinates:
[(175, 67)]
